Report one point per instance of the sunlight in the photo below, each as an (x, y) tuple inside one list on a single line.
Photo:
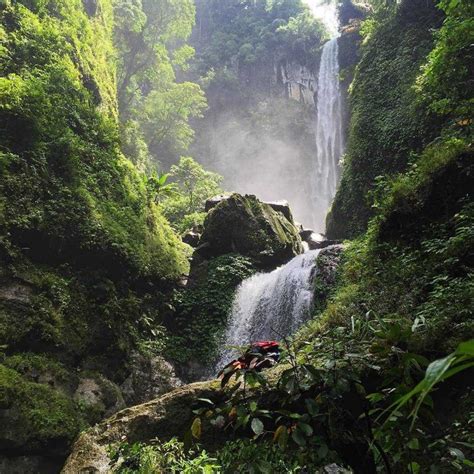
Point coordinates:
[(326, 11)]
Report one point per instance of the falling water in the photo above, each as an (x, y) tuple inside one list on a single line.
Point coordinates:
[(271, 305), (329, 140)]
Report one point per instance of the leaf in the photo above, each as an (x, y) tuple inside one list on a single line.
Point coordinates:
[(414, 467), (311, 406), (298, 437), (196, 428), (413, 444), (305, 428), (457, 453), (323, 451), (466, 348), (206, 400), (257, 426), (253, 406), (278, 432)]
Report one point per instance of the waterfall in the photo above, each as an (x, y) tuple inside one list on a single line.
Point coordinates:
[(271, 305), (329, 140)]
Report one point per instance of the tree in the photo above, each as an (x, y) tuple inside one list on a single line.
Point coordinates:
[(194, 185), (150, 39)]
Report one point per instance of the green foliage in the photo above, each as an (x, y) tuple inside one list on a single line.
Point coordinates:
[(446, 79), (149, 38), (77, 192), (202, 311), (170, 456), (389, 122), (438, 371), (44, 417), (193, 184), (254, 31), (261, 458), (86, 256), (353, 389)]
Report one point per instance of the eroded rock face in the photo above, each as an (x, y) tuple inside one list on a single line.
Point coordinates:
[(16, 291), (149, 378), (168, 416), (328, 262), (249, 227), (99, 395)]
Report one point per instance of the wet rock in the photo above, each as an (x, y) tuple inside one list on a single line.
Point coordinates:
[(283, 207), (316, 241), (328, 262), (17, 292), (29, 464), (191, 238), (150, 377), (249, 227), (212, 202)]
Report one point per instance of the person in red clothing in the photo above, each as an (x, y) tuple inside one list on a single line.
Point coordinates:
[(260, 355)]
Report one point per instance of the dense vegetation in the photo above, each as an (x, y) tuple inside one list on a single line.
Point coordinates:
[(352, 387), (90, 257), (86, 254)]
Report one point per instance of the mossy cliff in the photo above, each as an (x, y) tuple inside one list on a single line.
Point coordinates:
[(388, 121), (86, 257)]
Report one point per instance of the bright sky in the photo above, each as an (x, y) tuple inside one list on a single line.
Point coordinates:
[(327, 12)]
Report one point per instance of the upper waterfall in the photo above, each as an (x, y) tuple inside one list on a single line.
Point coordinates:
[(329, 140), (271, 305)]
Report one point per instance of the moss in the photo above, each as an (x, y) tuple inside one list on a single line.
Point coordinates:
[(388, 121), (33, 366), (35, 416), (245, 225), (202, 311)]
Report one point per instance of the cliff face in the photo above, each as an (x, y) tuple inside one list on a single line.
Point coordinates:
[(388, 121), (259, 129), (85, 255)]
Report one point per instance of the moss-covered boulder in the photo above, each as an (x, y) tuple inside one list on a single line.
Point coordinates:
[(249, 227), (35, 420)]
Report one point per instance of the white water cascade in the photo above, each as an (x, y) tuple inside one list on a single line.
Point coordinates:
[(271, 305), (329, 139)]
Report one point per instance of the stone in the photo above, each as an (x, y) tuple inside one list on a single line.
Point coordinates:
[(249, 227), (191, 238), (149, 378), (315, 241), (283, 207), (29, 464), (328, 261), (214, 201), (167, 416), (99, 396), (16, 292)]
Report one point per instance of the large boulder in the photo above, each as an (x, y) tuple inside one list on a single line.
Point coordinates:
[(249, 227), (168, 416)]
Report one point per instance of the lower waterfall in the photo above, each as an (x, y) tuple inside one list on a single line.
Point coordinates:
[(271, 305)]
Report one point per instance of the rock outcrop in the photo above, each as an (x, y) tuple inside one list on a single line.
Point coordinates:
[(168, 416), (249, 227), (149, 378)]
